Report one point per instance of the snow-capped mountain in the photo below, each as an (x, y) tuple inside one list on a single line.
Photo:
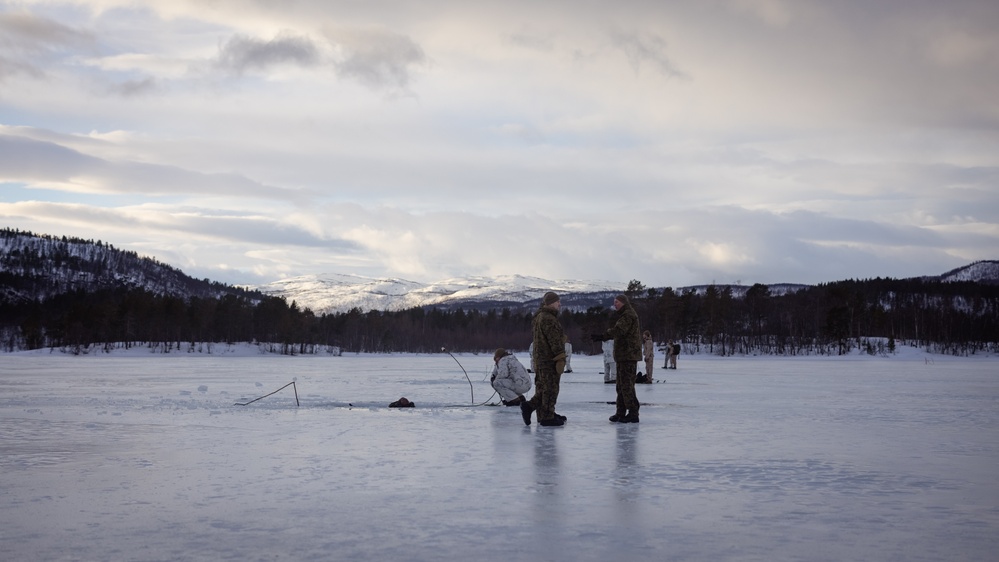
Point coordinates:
[(330, 293), (739, 291), (340, 293), (985, 271)]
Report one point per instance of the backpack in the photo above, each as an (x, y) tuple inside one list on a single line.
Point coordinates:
[(676, 349)]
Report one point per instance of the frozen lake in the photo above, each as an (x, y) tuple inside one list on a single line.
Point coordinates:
[(145, 457)]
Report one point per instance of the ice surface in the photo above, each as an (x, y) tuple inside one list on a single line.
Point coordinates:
[(145, 457)]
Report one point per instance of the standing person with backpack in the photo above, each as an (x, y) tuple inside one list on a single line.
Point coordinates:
[(674, 351)]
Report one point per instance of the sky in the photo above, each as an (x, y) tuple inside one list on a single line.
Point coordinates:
[(673, 143)]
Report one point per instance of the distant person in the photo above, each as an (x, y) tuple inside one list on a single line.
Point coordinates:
[(568, 355), (627, 335), (669, 353), (530, 353), (675, 351), (610, 367), (649, 354), (549, 363), (509, 379)]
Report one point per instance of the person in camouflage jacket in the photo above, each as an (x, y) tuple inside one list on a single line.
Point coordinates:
[(626, 332), (549, 363)]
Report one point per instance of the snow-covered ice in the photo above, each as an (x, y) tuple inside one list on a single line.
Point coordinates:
[(146, 457)]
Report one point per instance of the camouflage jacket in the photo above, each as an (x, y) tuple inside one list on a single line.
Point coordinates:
[(627, 334), (548, 340)]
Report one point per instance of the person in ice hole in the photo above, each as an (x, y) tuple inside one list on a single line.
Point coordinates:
[(402, 403)]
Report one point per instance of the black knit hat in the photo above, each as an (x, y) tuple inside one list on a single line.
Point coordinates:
[(550, 298), (623, 298)]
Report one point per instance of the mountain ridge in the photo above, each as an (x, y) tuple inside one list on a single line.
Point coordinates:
[(512, 291), (339, 293), (36, 266)]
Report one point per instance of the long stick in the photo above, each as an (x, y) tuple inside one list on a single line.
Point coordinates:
[(291, 384), (471, 388)]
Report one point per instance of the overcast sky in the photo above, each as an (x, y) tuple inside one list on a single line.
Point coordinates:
[(675, 143)]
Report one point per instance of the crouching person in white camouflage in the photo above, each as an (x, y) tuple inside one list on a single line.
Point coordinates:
[(510, 378)]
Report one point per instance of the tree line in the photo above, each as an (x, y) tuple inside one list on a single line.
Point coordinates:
[(960, 318)]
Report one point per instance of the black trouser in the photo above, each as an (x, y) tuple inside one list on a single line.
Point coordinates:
[(627, 400), (546, 383)]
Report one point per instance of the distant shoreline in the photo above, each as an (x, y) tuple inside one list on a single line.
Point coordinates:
[(248, 349)]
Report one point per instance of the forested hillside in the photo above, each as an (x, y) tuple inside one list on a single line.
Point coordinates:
[(36, 266), (83, 296)]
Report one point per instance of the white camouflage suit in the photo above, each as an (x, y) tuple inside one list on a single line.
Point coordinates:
[(510, 378), (610, 367)]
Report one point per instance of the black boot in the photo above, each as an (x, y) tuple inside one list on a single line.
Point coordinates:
[(553, 422), (630, 418), (617, 418), (526, 410)]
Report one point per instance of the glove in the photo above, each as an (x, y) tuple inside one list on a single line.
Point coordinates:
[(597, 337), (560, 363)]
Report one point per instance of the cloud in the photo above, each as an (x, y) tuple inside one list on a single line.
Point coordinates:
[(187, 235), (377, 58), (28, 41), (137, 87), (532, 41), (775, 13), (720, 244), (32, 34), (647, 48), (47, 164), (818, 140), (693, 246), (10, 67), (242, 53), (524, 132), (725, 244), (30, 160)]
